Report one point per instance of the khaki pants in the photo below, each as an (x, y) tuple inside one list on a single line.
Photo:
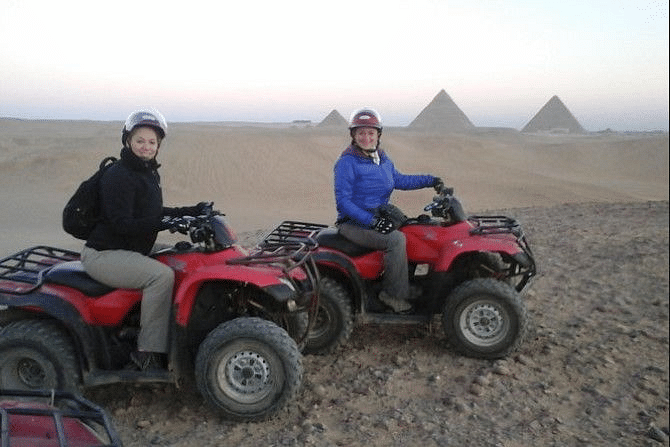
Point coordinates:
[(396, 273), (131, 270)]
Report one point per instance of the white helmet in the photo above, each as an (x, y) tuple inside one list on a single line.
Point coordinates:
[(149, 118)]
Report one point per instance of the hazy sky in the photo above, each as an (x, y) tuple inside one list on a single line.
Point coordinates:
[(500, 61)]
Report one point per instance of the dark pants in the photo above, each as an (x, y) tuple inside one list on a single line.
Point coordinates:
[(396, 277)]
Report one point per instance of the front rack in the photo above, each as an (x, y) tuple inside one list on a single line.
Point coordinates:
[(491, 225), (293, 232), (494, 225), (22, 272), (288, 247)]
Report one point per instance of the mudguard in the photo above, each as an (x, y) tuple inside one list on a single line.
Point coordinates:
[(264, 278)]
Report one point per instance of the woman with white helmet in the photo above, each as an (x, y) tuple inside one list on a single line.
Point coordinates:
[(365, 177), (116, 252)]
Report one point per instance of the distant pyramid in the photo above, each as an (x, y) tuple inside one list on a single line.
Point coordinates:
[(554, 117), (334, 119), (442, 114)]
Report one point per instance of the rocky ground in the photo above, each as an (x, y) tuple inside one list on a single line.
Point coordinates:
[(593, 372)]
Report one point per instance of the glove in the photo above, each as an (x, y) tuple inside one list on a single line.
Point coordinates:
[(165, 223), (196, 210), (438, 184), (383, 225), (173, 224), (180, 225)]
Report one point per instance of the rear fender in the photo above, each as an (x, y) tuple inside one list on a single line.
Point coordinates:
[(43, 305), (343, 269), (265, 278)]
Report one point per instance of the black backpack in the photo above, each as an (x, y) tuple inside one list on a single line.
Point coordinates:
[(82, 211)]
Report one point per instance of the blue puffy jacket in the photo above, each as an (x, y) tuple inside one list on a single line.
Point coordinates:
[(361, 185)]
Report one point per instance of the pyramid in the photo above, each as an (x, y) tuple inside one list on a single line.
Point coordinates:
[(442, 114), (334, 119), (554, 117)]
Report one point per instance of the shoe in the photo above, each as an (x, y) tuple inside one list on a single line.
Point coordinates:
[(147, 361), (398, 305)]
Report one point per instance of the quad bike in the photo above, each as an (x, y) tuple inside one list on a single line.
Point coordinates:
[(471, 270), (53, 419), (238, 320)]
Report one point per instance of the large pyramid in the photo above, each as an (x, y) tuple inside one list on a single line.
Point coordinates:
[(554, 117), (334, 119), (442, 114)]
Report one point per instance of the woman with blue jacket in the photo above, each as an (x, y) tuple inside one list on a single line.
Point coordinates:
[(365, 177)]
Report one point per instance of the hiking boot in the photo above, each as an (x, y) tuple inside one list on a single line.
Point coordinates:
[(398, 305), (147, 361)]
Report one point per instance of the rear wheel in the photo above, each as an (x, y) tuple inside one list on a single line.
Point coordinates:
[(334, 319), (37, 354), (248, 368), (485, 318)]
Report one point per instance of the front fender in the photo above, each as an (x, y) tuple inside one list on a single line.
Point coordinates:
[(266, 278), (458, 247)]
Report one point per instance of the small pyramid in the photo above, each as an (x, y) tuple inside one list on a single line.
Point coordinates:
[(334, 119), (554, 117), (442, 114)]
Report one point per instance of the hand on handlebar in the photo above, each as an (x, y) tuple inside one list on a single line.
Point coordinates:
[(175, 224), (438, 184), (383, 225)]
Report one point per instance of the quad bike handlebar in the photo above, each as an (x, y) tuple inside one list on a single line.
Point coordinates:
[(446, 205)]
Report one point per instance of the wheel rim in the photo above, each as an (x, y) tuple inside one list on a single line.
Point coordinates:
[(246, 375), (27, 370), (484, 323), (30, 373), (321, 323)]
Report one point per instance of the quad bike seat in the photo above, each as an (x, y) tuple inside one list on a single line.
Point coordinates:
[(330, 237), (72, 274)]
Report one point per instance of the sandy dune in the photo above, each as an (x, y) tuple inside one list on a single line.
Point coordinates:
[(261, 176)]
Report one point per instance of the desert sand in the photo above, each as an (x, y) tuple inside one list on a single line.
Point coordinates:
[(593, 372), (261, 176)]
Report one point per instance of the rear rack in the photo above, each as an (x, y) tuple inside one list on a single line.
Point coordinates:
[(22, 272), (59, 407)]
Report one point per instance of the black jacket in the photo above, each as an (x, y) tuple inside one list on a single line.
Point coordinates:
[(132, 206)]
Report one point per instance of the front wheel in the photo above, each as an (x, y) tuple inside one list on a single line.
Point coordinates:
[(485, 318), (248, 368), (37, 355)]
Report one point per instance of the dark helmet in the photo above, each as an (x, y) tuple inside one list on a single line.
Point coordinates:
[(365, 117), (150, 118)]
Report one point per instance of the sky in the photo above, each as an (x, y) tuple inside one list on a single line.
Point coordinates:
[(272, 61)]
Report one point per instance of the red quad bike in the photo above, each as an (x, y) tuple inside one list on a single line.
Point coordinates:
[(53, 419), (471, 270), (238, 319)]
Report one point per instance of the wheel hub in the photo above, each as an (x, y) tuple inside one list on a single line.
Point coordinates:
[(483, 321), (30, 373), (247, 372)]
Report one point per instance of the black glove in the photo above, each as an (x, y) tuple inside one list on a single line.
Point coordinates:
[(174, 224), (438, 184), (165, 223), (196, 210), (383, 225), (181, 225)]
